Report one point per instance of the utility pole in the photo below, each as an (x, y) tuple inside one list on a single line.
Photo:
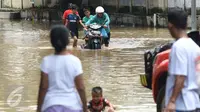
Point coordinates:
[(184, 5), (166, 5), (102, 3), (11, 5), (193, 16), (131, 5), (147, 7), (22, 3), (43, 3), (117, 5), (1, 3)]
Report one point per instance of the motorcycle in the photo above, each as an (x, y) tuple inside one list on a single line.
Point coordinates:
[(94, 36)]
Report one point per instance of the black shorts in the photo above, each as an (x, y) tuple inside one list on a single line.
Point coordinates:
[(74, 33)]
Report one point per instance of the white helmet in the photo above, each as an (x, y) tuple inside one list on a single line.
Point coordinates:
[(100, 9)]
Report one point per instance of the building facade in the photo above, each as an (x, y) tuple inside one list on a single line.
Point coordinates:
[(163, 4), (20, 4), (148, 4)]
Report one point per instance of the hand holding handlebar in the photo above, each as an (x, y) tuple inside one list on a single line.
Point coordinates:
[(105, 26)]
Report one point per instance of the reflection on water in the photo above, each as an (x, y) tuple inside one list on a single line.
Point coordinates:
[(117, 69)]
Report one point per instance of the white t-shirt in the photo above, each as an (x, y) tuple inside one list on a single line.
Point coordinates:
[(182, 62), (61, 71)]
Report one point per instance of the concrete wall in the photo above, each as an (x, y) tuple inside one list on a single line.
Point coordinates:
[(26, 3), (110, 2), (124, 2), (131, 20), (163, 4), (49, 15), (7, 3), (172, 3), (18, 3), (85, 2), (181, 3), (139, 3), (95, 2), (4, 15), (152, 3)]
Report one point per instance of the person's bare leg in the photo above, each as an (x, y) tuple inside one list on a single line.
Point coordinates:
[(111, 110), (75, 41)]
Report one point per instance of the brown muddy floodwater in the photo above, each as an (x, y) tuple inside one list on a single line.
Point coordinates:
[(24, 44)]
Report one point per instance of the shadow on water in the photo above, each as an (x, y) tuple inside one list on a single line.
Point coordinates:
[(117, 69)]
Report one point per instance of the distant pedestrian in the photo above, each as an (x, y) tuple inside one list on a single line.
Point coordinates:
[(181, 86), (72, 21), (62, 85), (67, 12)]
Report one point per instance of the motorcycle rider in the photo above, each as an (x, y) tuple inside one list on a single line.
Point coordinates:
[(103, 19)]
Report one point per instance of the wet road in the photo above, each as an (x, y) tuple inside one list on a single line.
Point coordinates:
[(117, 69)]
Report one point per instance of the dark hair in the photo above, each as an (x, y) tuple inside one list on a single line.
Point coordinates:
[(86, 9), (178, 17), (74, 7), (97, 90), (70, 5), (59, 37)]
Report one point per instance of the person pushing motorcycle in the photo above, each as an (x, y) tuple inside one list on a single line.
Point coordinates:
[(103, 19)]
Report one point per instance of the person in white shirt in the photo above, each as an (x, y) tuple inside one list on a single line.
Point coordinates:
[(62, 87), (181, 87)]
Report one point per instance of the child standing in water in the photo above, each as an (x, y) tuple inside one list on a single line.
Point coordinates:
[(72, 21), (98, 103)]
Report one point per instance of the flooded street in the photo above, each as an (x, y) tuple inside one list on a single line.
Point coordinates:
[(24, 44)]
